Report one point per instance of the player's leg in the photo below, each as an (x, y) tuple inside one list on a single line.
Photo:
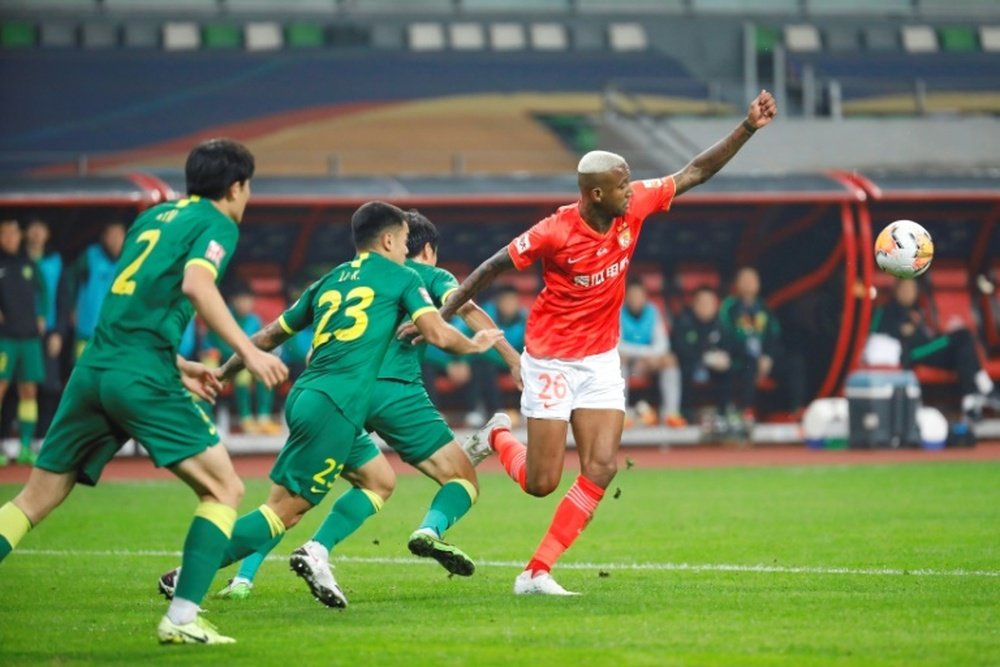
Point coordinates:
[(80, 442), (597, 420), (372, 482), (43, 493), (264, 399), (451, 468), (670, 391), (241, 396), (27, 419), (5, 375)]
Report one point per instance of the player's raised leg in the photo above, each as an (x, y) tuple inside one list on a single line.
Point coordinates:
[(452, 469)]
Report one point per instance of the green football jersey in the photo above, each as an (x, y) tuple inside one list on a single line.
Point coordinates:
[(402, 359), (144, 313), (356, 309)]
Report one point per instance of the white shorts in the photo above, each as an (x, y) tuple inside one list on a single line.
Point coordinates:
[(553, 388)]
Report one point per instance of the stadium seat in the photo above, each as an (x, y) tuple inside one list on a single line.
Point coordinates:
[(99, 35), (958, 39), (426, 37), (919, 39), (140, 35), (466, 36), (548, 37), (17, 34), (989, 38), (221, 36), (957, 7), (627, 37), (181, 36), (880, 38), (57, 35), (802, 37), (842, 38), (766, 38), (304, 35), (507, 37), (263, 36)]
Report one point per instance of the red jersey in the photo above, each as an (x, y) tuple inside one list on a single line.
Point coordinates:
[(577, 313)]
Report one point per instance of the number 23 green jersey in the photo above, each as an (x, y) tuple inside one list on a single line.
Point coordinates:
[(356, 309)]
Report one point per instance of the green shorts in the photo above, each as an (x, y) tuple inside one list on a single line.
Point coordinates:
[(22, 359), (363, 450), (403, 414), (319, 445), (101, 409)]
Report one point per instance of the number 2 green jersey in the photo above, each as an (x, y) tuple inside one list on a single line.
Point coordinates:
[(144, 313), (402, 359), (356, 309)]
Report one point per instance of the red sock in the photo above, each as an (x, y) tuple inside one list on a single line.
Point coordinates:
[(513, 455), (571, 517)]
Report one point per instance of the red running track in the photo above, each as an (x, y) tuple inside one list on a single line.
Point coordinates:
[(643, 457)]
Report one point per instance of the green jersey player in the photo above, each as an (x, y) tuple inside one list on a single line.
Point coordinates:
[(130, 382), (402, 414), (355, 309)]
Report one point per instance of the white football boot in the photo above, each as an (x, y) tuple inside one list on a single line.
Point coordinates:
[(541, 583), (311, 562), (477, 446)]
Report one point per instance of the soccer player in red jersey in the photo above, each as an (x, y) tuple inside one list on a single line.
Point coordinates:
[(570, 367)]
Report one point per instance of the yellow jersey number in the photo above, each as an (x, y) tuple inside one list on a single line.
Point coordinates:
[(333, 299), (124, 284)]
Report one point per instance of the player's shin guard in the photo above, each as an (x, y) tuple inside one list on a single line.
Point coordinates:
[(513, 455), (27, 419), (572, 516), (206, 541), (351, 510), (14, 525), (252, 532), (450, 504)]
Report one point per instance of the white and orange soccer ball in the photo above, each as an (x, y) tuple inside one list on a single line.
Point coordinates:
[(904, 249)]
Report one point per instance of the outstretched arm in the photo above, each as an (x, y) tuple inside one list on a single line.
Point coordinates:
[(708, 163), (479, 280), (478, 319), (265, 339)]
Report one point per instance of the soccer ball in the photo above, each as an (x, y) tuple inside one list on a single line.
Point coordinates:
[(904, 249)]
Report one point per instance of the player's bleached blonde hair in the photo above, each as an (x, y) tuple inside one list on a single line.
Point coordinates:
[(598, 162)]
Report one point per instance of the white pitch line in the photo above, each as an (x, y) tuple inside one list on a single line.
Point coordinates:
[(656, 567)]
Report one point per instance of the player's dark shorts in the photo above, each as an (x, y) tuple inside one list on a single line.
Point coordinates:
[(101, 409), (22, 359), (320, 443), (404, 416)]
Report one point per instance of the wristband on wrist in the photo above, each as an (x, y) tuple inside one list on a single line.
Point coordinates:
[(748, 127)]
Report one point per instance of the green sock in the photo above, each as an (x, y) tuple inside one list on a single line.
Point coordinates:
[(252, 532), (347, 515), (252, 563), (242, 395), (265, 399), (206, 541), (450, 504), (5, 548)]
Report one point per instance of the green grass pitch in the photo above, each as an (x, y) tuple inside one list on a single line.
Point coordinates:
[(860, 565)]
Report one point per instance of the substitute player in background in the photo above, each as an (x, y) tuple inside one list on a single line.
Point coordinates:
[(402, 413), (127, 384), (356, 308), (570, 367)]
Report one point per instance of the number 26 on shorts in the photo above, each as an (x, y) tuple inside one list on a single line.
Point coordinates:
[(553, 386)]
